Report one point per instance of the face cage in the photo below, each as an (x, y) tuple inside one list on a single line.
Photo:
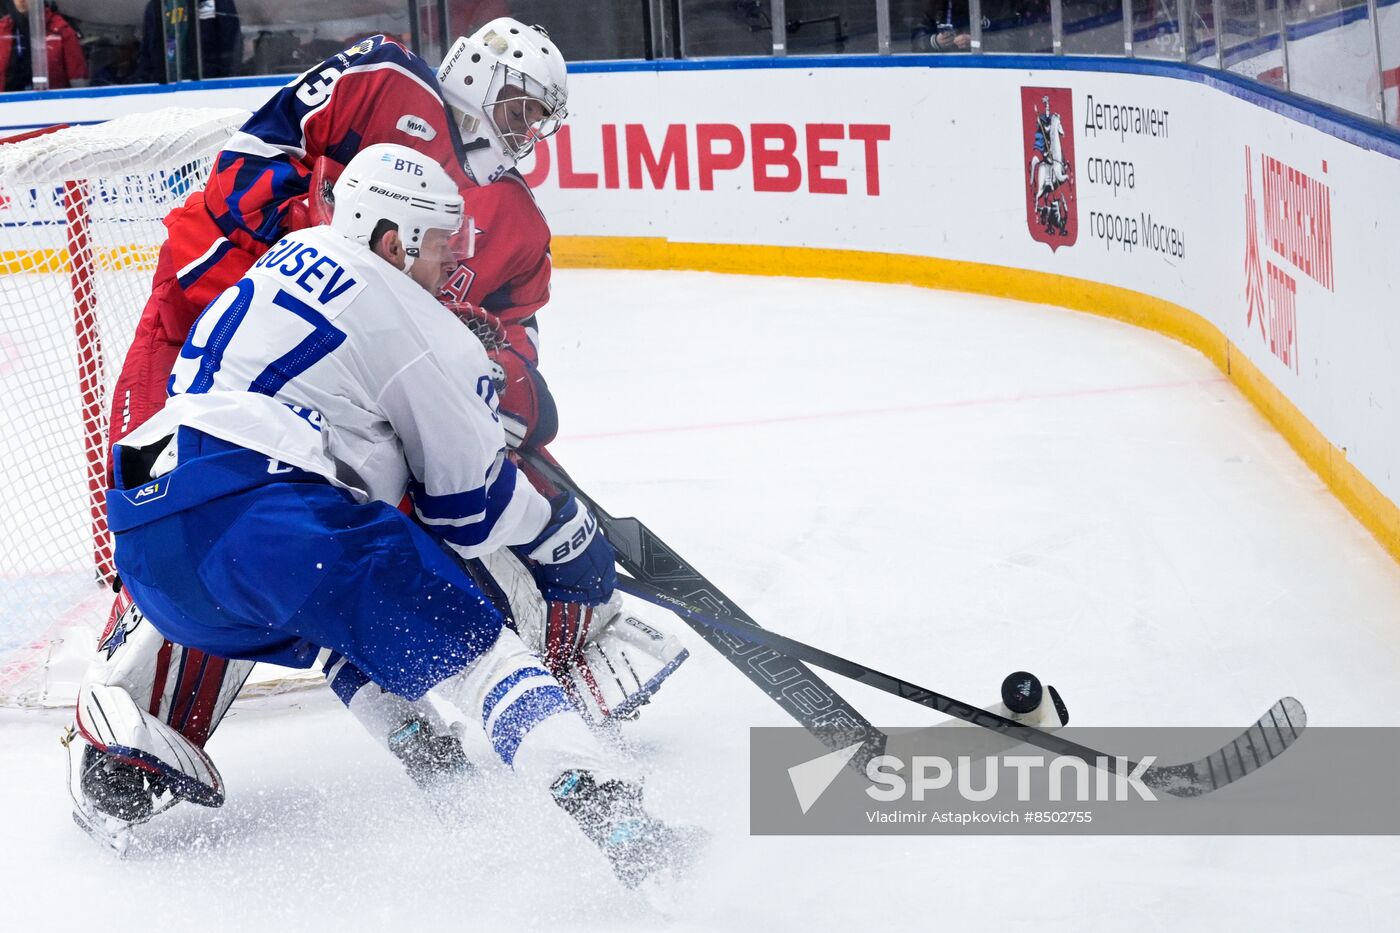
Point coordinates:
[(514, 89)]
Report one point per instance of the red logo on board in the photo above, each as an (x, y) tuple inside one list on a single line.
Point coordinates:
[(1047, 131), (1297, 230)]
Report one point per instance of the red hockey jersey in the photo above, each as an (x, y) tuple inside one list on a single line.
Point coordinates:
[(373, 92)]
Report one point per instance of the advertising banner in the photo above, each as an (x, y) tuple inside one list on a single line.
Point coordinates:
[(1262, 219)]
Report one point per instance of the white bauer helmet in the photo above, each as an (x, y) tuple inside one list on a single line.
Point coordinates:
[(394, 183), (507, 87)]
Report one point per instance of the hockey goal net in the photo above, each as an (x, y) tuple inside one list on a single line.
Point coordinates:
[(80, 228)]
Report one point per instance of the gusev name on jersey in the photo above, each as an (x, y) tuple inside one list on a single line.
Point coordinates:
[(326, 358)]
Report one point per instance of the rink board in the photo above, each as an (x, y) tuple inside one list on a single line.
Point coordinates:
[(914, 169), (1305, 333), (1251, 226)]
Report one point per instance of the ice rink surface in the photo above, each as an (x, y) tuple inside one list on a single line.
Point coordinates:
[(946, 487)]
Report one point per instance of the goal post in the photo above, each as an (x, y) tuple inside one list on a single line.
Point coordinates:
[(81, 210), (91, 384)]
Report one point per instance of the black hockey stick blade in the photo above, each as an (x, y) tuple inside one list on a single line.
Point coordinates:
[(1270, 736), (791, 684)]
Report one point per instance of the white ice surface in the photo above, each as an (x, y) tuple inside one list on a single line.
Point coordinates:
[(942, 486)]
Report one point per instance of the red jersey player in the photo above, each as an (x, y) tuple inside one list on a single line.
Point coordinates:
[(257, 191)]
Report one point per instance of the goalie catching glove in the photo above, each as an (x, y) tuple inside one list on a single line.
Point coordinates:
[(572, 563), (621, 665), (609, 662)]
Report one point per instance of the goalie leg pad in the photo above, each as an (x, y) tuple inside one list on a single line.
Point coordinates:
[(622, 667), (183, 687), (622, 661), (113, 724), (566, 631), (527, 609)]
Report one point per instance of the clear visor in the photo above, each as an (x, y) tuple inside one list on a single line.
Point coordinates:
[(521, 110), (441, 246)]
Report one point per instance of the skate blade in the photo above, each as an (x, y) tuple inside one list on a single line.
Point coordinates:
[(112, 834)]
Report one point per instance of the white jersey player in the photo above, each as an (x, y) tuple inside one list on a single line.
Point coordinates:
[(252, 514), (504, 86)]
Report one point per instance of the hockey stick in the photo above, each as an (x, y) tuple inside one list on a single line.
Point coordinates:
[(1270, 736), (661, 577), (788, 682)]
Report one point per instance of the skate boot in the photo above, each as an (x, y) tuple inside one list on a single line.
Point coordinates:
[(640, 848), (430, 758), (119, 790), (1027, 702)]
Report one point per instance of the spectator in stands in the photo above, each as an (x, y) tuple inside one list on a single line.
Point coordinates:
[(943, 27), (168, 51), (67, 67), (113, 58), (1007, 25)]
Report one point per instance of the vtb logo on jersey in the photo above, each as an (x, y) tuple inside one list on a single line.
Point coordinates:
[(1047, 129)]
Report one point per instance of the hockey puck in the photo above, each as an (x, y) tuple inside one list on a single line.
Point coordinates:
[(1021, 692)]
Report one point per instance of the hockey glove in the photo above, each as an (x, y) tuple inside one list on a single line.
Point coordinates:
[(570, 559), (526, 407), (484, 325)]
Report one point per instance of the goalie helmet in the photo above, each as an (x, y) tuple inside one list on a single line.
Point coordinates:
[(397, 184), (505, 84)]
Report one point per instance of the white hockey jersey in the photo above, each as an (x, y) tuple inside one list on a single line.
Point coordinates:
[(326, 357)]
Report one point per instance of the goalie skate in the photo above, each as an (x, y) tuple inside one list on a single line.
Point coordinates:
[(116, 780), (102, 787)]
